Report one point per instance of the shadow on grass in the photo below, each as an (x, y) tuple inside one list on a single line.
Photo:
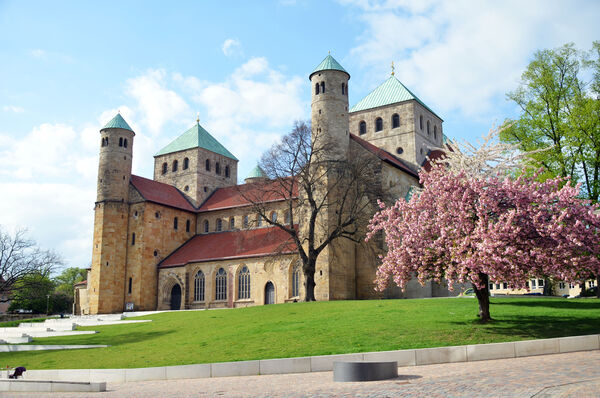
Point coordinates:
[(98, 338), (589, 304)]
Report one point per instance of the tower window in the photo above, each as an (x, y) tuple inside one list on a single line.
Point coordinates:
[(187, 226), (378, 124), (323, 87), (125, 142), (206, 225), (395, 120), (343, 88), (435, 132), (231, 223), (120, 141), (217, 168), (227, 171), (399, 150), (102, 142), (186, 163), (175, 165), (175, 223), (245, 222), (130, 283), (428, 128), (317, 89), (421, 122), (219, 226), (133, 239), (362, 128), (164, 168), (186, 188), (207, 164)]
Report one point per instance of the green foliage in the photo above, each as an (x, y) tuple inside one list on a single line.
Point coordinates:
[(317, 328), (67, 279), (31, 293), (561, 111)]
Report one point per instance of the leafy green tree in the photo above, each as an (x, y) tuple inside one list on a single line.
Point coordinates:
[(31, 293), (69, 277)]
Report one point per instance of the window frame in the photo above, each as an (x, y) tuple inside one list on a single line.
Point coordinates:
[(221, 285), (199, 286), (378, 124), (244, 283)]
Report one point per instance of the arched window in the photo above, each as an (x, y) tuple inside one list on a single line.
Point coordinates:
[(317, 89), (226, 171), (231, 223), (245, 222), (207, 164), (323, 87), (343, 88), (120, 141), (164, 168), (378, 124), (175, 223), (258, 220), (187, 226), (199, 286), (296, 281), (219, 226), (125, 142), (244, 284), (428, 128), (206, 225), (218, 168), (286, 217), (175, 164), (102, 141), (395, 120), (421, 122), (435, 132), (221, 285), (186, 163), (273, 216), (362, 128), (106, 141)]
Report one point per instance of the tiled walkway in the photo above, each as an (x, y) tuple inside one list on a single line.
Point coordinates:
[(562, 375)]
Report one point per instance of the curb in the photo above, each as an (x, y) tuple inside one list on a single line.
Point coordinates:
[(415, 357)]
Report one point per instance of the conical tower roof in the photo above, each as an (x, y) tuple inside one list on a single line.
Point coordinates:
[(256, 172), (329, 63), (389, 92), (196, 137), (117, 122)]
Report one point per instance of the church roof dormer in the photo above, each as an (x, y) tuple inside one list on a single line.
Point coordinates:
[(329, 63), (117, 122), (196, 137), (389, 92)]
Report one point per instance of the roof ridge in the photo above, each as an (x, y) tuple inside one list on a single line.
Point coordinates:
[(196, 137), (117, 122)]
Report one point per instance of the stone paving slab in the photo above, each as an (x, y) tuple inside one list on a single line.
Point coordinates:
[(549, 376)]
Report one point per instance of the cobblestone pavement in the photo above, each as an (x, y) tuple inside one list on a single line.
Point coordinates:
[(562, 375)]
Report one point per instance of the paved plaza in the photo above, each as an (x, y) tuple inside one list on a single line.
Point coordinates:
[(574, 374)]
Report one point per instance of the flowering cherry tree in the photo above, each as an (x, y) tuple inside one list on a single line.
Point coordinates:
[(477, 228)]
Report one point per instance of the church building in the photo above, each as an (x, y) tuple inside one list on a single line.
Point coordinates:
[(187, 238)]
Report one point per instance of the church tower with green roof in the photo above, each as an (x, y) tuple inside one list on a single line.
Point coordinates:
[(196, 164)]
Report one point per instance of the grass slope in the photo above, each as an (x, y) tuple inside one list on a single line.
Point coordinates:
[(301, 329)]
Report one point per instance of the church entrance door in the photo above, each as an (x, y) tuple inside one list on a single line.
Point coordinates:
[(176, 297), (269, 293)]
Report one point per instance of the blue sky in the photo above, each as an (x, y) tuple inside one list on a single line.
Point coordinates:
[(68, 66)]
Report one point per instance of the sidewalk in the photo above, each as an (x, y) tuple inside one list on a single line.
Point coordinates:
[(574, 374)]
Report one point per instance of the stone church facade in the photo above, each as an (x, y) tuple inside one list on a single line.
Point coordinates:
[(188, 237)]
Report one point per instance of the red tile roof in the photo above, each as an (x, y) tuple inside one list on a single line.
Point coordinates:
[(81, 283), (231, 245), (245, 194), (384, 155), (158, 192), (433, 155)]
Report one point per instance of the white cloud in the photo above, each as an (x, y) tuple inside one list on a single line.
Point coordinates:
[(464, 55), (232, 47), (38, 53), (13, 109), (157, 104)]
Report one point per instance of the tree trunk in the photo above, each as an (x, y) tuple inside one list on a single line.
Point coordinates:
[(483, 297), (310, 286)]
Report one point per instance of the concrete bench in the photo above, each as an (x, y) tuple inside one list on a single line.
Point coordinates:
[(50, 386), (364, 371)]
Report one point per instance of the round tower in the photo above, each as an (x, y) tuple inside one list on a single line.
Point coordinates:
[(114, 169), (329, 108)]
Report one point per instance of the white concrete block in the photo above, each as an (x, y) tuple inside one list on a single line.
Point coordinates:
[(427, 356), (29, 386), (107, 375), (324, 363), (199, 371), (78, 387), (243, 368), (285, 365), (4, 385), (141, 374), (578, 343), (76, 375), (536, 347), (482, 352), (47, 374), (403, 357)]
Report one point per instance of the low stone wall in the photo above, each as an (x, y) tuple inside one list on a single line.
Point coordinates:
[(424, 356), (50, 386)]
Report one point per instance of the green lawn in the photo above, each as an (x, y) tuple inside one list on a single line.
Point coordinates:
[(300, 329)]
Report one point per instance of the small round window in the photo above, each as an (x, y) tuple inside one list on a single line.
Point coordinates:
[(186, 188), (399, 150)]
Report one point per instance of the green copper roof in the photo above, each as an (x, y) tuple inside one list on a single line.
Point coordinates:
[(196, 137), (117, 122), (329, 63), (257, 172), (389, 92)]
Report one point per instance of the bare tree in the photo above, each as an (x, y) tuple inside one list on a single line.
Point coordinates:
[(19, 257), (327, 195)]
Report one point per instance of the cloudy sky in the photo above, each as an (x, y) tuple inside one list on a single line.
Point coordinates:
[(67, 67)]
